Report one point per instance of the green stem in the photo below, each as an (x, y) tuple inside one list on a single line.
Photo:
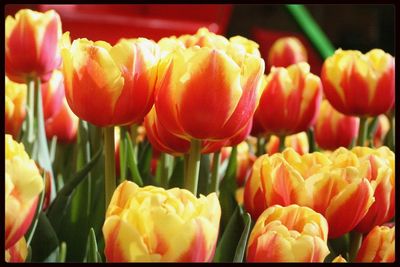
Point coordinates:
[(134, 135), (311, 140), (62, 252), (312, 30), (122, 154), (362, 132), (193, 167), (355, 243), (215, 171), (260, 146), (31, 111), (281, 143), (163, 170), (110, 182)]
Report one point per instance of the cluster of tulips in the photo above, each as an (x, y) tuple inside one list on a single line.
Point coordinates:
[(196, 141)]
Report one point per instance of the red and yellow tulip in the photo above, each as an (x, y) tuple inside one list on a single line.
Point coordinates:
[(288, 234), (23, 185), (334, 129), (349, 74), (285, 52), (15, 111), (299, 142), (110, 85), (289, 101), (154, 224), (32, 45), (18, 252), (53, 94), (378, 245)]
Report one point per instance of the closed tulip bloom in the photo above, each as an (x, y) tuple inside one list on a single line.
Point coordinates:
[(290, 100), (53, 94), (339, 259), (203, 93), (286, 51), (23, 185), (381, 130), (299, 142), (349, 74), (154, 224), (15, 112), (378, 245), (63, 124), (334, 129), (18, 252), (288, 234), (377, 166), (32, 45), (110, 85)]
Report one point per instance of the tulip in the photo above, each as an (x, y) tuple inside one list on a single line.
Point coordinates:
[(377, 166), (299, 142), (154, 224), (23, 185), (334, 129), (244, 162), (203, 94), (32, 45), (63, 124), (378, 245), (14, 107), (18, 252), (289, 100), (381, 130), (339, 259), (53, 94), (110, 85), (359, 84), (288, 234), (239, 193), (286, 51)]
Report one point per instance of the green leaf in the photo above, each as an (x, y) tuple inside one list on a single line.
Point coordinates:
[(45, 239), (241, 247), (91, 250), (132, 164), (62, 252), (226, 248), (177, 178), (29, 255), (58, 206)]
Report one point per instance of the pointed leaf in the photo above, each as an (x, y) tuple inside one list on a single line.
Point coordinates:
[(91, 251), (241, 247), (44, 241)]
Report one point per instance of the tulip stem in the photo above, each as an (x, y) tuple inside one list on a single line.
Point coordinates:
[(311, 140), (281, 143), (355, 243), (260, 146), (362, 132), (109, 164), (193, 167), (215, 171)]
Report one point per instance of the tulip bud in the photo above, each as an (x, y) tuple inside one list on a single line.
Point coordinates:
[(381, 130), (334, 129), (14, 107), (289, 100), (286, 51), (110, 85), (359, 84), (244, 162), (22, 187), (288, 234), (203, 93), (299, 142), (32, 45), (18, 252), (378, 245), (339, 259), (154, 224)]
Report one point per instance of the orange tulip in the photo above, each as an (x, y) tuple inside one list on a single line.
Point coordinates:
[(286, 51), (110, 85), (288, 234), (32, 45), (378, 245), (289, 100), (299, 142), (14, 107), (359, 84), (154, 224), (53, 94), (18, 252), (64, 124), (206, 93), (334, 129), (23, 185)]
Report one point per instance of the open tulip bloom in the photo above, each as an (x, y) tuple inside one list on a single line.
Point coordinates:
[(193, 148)]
